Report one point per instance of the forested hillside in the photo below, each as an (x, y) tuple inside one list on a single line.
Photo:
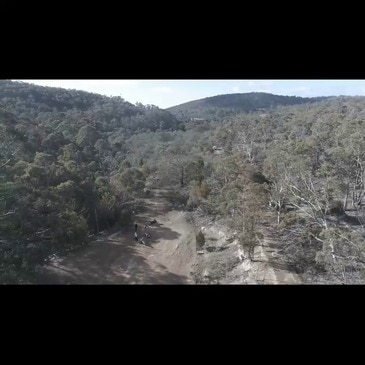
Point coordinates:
[(66, 171), (312, 158), (216, 107), (73, 164)]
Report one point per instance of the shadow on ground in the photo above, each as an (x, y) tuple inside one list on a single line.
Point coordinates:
[(157, 232), (109, 262), (118, 259)]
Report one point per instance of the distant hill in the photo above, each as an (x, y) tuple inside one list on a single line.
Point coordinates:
[(51, 105), (217, 107)]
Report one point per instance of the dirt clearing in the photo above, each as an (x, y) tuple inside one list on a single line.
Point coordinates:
[(168, 257)]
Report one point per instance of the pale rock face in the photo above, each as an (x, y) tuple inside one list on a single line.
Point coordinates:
[(223, 260)]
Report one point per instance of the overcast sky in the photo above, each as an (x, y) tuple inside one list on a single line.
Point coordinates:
[(166, 93)]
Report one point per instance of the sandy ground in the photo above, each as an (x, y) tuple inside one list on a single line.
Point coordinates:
[(168, 257)]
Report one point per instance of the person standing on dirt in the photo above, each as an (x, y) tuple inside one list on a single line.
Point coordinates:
[(136, 236), (135, 227)]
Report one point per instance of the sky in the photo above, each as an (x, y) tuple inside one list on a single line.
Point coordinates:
[(167, 93)]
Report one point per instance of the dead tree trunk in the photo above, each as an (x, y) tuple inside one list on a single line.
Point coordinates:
[(346, 197)]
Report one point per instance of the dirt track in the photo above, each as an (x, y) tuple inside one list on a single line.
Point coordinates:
[(117, 259)]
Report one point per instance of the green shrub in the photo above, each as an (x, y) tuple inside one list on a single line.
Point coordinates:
[(337, 208), (290, 219), (200, 240), (178, 196)]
